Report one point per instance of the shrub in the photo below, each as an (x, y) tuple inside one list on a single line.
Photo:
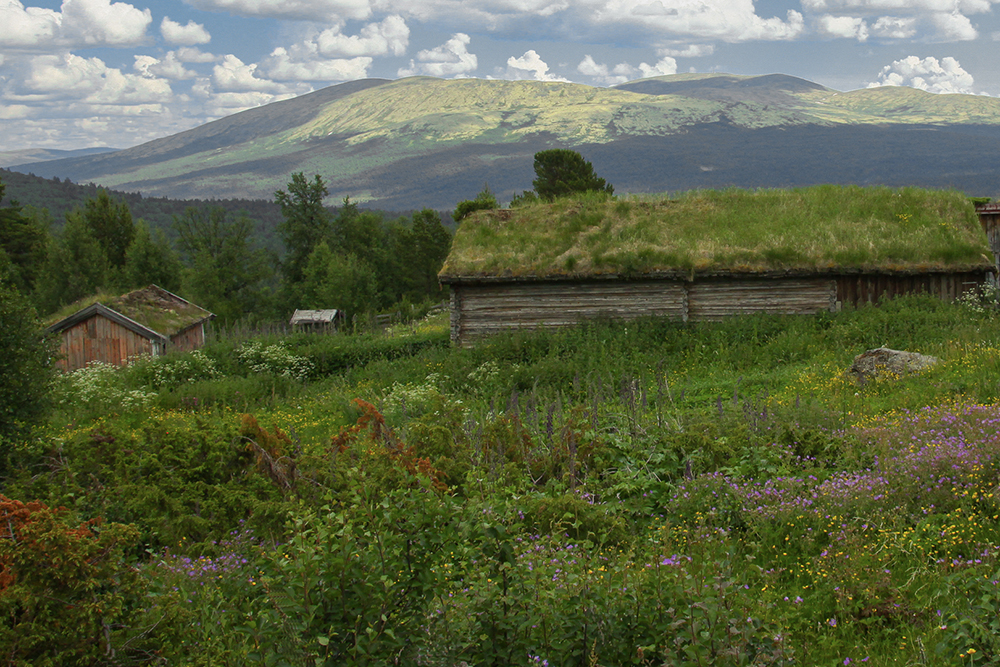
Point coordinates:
[(274, 359), (26, 372), (99, 389), (171, 371), (66, 592)]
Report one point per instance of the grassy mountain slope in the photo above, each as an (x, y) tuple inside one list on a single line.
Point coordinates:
[(430, 142)]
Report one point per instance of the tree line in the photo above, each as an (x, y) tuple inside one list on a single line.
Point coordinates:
[(355, 260)]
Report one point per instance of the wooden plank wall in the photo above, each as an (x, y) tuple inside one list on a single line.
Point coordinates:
[(716, 300), (991, 225), (100, 339), (189, 339), (859, 290)]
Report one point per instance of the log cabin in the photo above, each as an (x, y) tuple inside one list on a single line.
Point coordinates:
[(708, 255)]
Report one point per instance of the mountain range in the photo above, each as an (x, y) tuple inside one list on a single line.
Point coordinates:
[(425, 142)]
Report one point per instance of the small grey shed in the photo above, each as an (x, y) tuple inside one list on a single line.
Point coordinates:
[(317, 320)]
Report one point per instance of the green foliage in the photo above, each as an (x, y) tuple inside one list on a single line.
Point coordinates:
[(150, 260), (173, 370), (576, 515), (98, 389), (560, 172), (67, 593), (76, 266), (425, 248), (353, 583), (26, 373), (356, 261), (306, 223), (226, 274), (210, 602), (484, 201), (526, 198), (58, 197), (23, 241), (345, 282), (970, 627), (182, 479), (110, 222)]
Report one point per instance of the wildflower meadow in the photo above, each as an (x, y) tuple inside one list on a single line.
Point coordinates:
[(641, 493)]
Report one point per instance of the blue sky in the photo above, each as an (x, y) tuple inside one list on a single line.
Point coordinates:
[(84, 73)]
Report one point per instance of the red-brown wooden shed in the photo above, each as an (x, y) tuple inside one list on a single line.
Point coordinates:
[(149, 321)]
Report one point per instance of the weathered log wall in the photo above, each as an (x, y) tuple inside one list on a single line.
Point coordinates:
[(717, 299), (482, 309)]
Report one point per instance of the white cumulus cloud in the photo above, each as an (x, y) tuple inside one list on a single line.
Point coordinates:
[(727, 20), (311, 10), (31, 26), (390, 36), (883, 6), (233, 75), (953, 27), (68, 79), (303, 64), (851, 27), (103, 23), (192, 54), (664, 67), (894, 27), (927, 20), (168, 67), (529, 66), (217, 105), (622, 72), (79, 23), (930, 74), (185, 35), (330, 55), (450, 59), (14, 111)]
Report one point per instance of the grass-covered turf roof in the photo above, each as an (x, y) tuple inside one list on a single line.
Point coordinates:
[(817, 229), (152, 307)]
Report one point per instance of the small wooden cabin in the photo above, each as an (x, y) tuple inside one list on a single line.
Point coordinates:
[(327, 320), (149, 321), (696, 258)]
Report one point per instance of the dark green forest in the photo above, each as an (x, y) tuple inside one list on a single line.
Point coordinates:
[(242, 260)]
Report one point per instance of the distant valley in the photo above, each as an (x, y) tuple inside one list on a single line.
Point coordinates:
[(424, 142)]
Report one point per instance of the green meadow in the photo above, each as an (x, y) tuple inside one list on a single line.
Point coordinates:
[(641, 493)]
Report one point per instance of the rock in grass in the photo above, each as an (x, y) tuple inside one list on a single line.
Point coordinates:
[(883, 362)]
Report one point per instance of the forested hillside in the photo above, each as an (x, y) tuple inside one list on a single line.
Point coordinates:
[(240, 259), (61, 197)]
